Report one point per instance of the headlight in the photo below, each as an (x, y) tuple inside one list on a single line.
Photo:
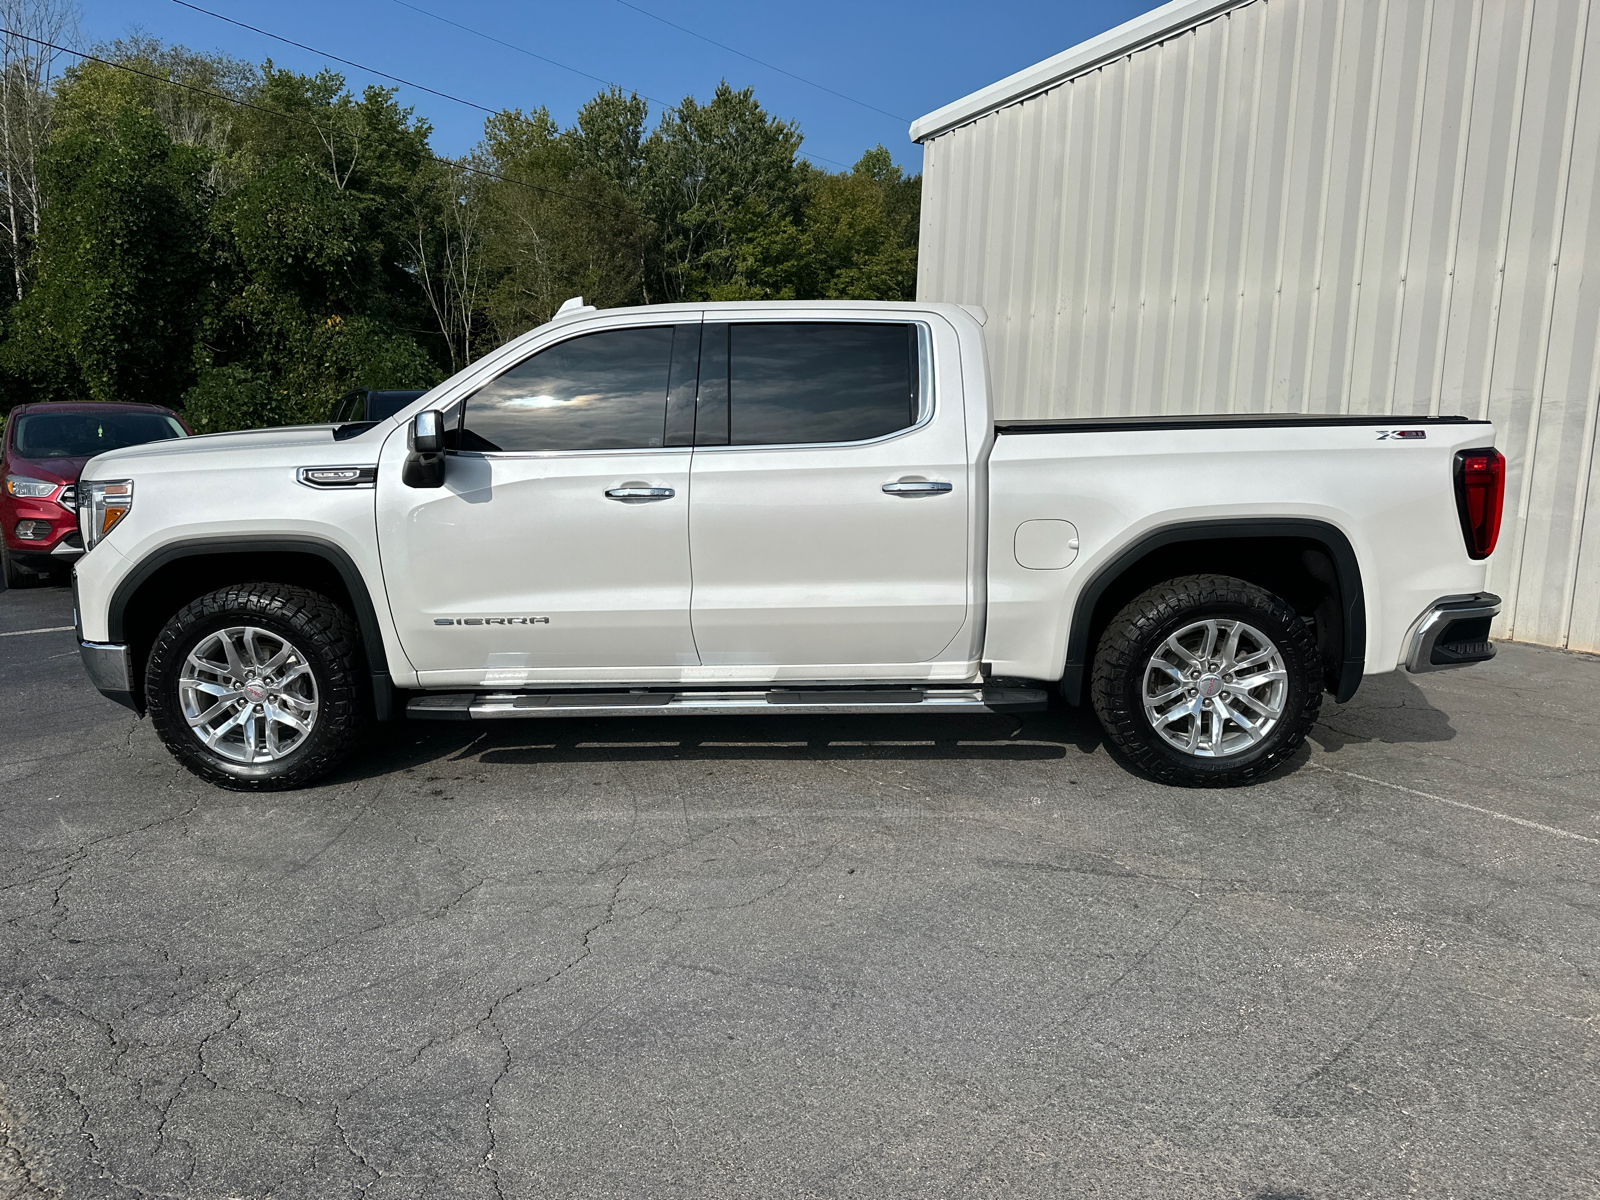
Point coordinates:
[(29, 489), (100, 507)]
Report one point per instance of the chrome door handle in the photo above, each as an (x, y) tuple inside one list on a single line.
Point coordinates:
[(640, 493), (909, 488)]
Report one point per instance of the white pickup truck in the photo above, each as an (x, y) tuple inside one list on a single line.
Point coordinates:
[(776, 508)]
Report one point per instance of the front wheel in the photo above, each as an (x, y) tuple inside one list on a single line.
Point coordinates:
[(15, 576), (1207, 681), (257, 686)]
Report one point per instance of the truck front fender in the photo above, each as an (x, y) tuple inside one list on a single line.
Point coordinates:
[(184, 566)]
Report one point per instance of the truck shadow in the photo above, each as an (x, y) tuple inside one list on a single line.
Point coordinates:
[(1390, 709), (1060, 733)]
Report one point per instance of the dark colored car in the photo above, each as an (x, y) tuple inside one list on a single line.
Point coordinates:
[(369, 404), (44, 450)]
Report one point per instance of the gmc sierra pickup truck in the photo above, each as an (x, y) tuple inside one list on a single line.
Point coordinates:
[(776, 508)]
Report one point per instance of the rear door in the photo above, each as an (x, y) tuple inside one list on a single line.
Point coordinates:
[(829, 521)]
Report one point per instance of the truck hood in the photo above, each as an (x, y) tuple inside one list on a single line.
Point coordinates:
[(215, 443)]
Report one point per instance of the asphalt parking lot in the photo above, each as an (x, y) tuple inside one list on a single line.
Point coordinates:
[(867, 957)]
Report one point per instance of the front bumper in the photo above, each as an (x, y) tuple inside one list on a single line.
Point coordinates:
[(1452, 632), (61, 543), (110, 669), (43, 557)]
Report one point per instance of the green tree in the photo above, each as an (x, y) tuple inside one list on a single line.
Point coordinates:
[(259, 258), (188, 92), (121, 264), (609, 136), (448, 249), (723, 189), (861, 231), (556, 225), (317, 290)]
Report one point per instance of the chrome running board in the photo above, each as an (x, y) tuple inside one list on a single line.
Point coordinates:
[(484, 706)]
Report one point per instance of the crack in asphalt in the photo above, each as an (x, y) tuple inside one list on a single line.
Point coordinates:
[(22, 1171)]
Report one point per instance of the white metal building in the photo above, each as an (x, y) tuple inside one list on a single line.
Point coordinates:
[(1386, 206)]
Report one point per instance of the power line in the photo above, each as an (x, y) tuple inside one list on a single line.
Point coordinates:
[(489, 37), (761, 62), (273, 112), (347, 62)]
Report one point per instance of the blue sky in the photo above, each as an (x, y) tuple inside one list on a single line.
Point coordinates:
[(901, 57)]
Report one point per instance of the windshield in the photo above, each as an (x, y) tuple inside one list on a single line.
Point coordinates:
[(85, 434)]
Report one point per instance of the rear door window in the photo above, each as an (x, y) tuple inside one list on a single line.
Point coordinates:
[(598, 391), (815, 381)]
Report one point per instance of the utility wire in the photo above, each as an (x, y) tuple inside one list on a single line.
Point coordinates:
[(489, 37), (273, 112), (347, 62), (761, 62)]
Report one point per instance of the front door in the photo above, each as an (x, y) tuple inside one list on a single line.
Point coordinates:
[(829, 523), (558, 546)]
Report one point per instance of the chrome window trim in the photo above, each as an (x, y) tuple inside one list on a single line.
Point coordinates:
[(925, 389), (522, 454), (462, 398)]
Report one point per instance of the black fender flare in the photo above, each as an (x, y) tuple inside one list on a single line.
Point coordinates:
[(355, 584), (1347, 571)]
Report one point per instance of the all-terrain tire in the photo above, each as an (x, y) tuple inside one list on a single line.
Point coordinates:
[(1132, 641), (320, 631)]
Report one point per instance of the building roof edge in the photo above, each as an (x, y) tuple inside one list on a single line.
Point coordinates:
[(1153, 26)]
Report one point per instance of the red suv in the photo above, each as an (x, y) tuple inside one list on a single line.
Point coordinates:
[(44, 449)]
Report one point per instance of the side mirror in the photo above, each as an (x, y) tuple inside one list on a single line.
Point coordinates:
[(427, 432), (425, 439)]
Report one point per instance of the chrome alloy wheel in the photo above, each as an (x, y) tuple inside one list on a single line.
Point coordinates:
[(248, 694), (1215, 688)]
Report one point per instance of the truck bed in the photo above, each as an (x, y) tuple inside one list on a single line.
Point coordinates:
[(1221, 421)]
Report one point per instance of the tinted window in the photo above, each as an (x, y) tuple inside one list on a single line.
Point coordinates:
[(348, 407), (383, 405), (816, 382), (85, 434), (601, 391)]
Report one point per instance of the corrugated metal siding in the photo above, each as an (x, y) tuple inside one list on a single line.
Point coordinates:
[(1386, 206)]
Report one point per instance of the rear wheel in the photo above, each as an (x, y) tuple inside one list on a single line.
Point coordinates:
[(1207, 681), (257, 686)]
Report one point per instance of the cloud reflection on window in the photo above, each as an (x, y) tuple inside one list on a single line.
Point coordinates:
[(600, 391)]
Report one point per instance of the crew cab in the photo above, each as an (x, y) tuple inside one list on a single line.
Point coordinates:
[(776, 508)]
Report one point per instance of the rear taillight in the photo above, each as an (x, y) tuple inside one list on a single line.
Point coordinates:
[(1480, 495)]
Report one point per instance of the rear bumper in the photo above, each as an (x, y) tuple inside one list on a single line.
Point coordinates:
[(110, 669), (1452, 632)]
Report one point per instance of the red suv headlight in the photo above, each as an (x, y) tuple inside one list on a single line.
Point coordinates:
[(29, 489)]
